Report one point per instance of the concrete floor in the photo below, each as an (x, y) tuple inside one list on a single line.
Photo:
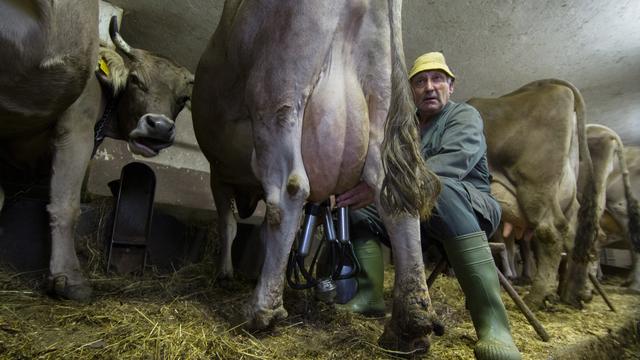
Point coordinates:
[(494, 46)]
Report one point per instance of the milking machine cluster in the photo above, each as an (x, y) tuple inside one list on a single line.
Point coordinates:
[(340, 264)]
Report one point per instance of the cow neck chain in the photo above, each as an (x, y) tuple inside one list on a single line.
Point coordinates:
[(98, 130)]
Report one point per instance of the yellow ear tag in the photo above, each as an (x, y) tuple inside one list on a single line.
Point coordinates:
[(104, 67)]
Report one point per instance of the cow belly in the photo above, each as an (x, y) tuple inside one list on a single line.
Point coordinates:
[(335, 133)]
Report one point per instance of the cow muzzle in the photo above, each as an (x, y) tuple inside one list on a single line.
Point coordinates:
[(153, 133)]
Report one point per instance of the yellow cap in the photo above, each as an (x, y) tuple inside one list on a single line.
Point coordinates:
[(430, 61)]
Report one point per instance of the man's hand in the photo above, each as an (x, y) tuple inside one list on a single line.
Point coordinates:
[(358, 197)]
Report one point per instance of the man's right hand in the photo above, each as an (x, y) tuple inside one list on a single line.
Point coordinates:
[(358, 197)]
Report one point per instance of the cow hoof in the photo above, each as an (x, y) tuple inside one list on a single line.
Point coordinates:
[(632, 286), (59, 286), (634, 289), (540, 301), (393, 341), (265, 318), (586, 296)]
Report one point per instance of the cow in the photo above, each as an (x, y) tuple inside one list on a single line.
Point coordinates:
[(535, 139), (616, 169), (297, 100), (51, 101), (617, 175)]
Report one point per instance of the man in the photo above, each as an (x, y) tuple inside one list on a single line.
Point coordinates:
[(465, 214)]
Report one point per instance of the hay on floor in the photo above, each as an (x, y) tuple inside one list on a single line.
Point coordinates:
[(185, 316)]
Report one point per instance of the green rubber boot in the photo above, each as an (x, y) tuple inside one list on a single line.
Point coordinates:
[(369, 299), (475, 270)]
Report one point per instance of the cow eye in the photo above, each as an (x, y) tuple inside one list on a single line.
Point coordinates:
[(135, 80)]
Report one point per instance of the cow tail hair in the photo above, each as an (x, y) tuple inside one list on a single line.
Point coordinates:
[(588, 218), (633, 209), (408, 186)]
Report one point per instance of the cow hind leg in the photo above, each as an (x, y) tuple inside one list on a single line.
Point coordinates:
[(634, 275), (506, 236), (412, 314), (278, 164), (527, 257), (412, 318), (227, 228)]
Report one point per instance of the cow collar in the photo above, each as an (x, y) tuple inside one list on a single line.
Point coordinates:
[(112, 104)]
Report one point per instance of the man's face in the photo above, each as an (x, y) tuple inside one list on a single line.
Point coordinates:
[(431, 91)]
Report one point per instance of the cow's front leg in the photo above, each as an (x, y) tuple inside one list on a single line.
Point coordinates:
[(73, 145), (278, 165)]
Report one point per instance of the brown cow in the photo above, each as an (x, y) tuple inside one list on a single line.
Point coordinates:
[(617, 175), (50, 101), (291, 102), (615, 183), (535, 138)]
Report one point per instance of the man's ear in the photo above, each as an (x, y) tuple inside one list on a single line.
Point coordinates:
[(452, 86)]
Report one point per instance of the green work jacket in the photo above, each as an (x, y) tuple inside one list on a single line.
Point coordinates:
[(454, 146)]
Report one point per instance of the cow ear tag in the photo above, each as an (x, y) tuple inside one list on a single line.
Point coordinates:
[(103, 73), (104, 67)]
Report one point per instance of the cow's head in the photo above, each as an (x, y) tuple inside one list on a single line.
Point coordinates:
[(152, 90)]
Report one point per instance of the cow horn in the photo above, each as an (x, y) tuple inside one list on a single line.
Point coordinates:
[(116, 38)]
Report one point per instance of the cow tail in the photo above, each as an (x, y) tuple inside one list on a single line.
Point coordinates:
[(588, 218), (408, 186), (633, 209)]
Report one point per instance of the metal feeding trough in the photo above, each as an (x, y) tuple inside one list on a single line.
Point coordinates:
[(132, 219)]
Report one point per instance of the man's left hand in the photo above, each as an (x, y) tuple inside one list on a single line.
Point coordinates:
[(358, 197)]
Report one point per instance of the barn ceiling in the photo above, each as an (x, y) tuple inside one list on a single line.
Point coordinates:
[(494, 46)]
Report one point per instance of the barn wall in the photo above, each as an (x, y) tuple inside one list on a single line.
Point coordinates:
[(493, 46)]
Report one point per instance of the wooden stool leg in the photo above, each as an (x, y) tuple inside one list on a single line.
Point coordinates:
[(440, 267), (537, 326), (596, 284)]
